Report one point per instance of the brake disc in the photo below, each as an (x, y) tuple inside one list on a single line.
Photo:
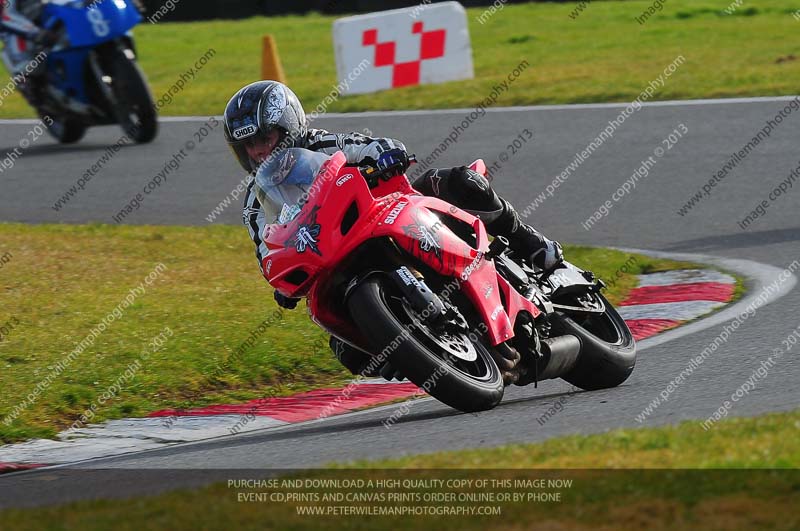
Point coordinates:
[(457, 343)]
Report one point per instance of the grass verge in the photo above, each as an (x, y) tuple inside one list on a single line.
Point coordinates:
[(757, 442), (713, 496), (62, 280), (601, 55)]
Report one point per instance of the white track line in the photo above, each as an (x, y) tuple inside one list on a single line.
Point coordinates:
[(523, 108), (567, 107)]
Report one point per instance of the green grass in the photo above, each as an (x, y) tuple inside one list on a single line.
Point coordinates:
[(62, 280), (665, 497), (602, 55), (768, 441)]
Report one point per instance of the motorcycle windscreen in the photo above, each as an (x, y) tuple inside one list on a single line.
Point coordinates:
[(103, 21), (284, 182)]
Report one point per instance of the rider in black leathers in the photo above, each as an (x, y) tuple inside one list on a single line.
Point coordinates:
[(265, 117)]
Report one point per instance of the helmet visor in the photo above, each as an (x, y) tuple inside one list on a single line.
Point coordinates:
[(273, 136), (283, 182)]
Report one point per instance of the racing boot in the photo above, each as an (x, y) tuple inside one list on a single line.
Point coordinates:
[(524, 240), (471, 191)]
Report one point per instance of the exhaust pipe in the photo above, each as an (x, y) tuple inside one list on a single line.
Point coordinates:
[(560, 356)]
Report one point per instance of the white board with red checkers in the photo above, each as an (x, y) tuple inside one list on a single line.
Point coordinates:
[(402, 47)]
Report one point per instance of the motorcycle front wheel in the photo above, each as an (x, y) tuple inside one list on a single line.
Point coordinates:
[(134, 107), (453, 367)]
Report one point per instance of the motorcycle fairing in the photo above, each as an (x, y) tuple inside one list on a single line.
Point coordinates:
[(115, 19), (66, 68), (419, 230), (304, 253)]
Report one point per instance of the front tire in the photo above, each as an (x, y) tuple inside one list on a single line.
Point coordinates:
[(608, 350), (64, 129), (134, 108), (385, 320)]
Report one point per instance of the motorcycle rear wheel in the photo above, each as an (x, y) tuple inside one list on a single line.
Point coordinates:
[(385, 320), (608, 350)]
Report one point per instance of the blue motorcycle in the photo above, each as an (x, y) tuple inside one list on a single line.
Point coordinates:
[(92, 74)]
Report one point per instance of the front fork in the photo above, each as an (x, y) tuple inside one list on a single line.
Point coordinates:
[(434, 312), (105, 81), (526, 358), (421, 298)]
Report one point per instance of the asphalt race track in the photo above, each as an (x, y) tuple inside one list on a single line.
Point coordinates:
[(646, 218)]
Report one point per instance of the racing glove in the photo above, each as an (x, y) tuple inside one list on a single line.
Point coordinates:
[(397, 159), (290, 303)]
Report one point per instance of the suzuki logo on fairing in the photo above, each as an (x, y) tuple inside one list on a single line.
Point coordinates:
[(392, 217), (496, 312), (344, 179)]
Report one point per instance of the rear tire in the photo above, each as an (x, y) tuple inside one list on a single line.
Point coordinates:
[(378, 312), (608, 350)]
